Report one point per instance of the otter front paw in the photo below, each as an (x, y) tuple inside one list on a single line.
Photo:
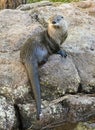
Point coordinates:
[(62, 53)]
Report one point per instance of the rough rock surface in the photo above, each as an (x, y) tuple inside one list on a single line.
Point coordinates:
[(81, 107), (58, 76), (81, 46), (8, 118)]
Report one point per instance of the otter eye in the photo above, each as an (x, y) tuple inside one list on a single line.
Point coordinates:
[(53, 22)]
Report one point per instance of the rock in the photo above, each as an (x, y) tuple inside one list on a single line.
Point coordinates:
[(85, 63), (8, 120), (80, 107), (69, 108), (15, 31), (60, 79), (34, 5), (28, 114), (84, 4), (80, 44), (88, 5)]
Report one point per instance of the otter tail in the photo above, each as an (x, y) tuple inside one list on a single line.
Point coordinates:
[(32, 69)]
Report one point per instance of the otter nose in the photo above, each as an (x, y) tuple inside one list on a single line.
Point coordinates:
[(53, 22)]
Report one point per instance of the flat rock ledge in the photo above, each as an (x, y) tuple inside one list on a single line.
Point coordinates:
[(67, 85)]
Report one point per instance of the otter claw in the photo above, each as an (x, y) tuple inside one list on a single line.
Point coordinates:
[(62, 53)]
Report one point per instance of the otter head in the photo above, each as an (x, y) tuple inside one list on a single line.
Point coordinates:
[(56, 21), (57, 28)]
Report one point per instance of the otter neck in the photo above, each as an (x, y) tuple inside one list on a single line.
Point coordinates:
[(51, 44), (56, 34)]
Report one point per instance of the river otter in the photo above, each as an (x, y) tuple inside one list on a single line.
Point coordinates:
[(37, 49)]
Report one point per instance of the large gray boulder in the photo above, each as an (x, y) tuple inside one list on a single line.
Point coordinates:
[(58, 76)]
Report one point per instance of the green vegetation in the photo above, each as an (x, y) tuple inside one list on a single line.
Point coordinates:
[(66, 1)]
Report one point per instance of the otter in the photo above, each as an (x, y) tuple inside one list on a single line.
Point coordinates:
[(37, 49)]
